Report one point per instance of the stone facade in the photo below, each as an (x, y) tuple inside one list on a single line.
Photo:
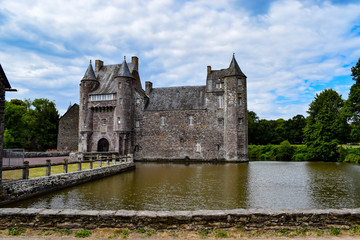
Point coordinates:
[(206, 123), (68, 134)]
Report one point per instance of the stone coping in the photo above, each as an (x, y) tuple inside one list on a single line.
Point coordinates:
[(188, 220)]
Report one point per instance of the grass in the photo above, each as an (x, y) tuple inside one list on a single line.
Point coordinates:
[(15, 231), (41, 172), (83, 233)]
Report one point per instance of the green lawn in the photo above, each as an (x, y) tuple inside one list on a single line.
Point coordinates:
[(40, 172)]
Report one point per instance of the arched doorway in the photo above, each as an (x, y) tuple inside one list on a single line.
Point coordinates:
[(103, 145)]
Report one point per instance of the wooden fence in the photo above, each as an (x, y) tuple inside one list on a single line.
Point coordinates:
[(91, 159)]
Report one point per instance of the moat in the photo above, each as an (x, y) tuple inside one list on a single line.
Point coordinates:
[(165, 186)]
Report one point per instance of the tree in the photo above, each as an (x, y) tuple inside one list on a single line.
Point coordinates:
[(31, 124), (326, 126), (352, 105), (295, 129)]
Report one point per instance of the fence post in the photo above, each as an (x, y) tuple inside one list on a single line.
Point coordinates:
[(79, 166), (107, 161), (48, 167), (91, 164), (66, 161), (114, 160), (26, 170)]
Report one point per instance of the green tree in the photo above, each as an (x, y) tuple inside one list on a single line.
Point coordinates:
[(31, 124), (295, 129), (352, 104), (326, 126)]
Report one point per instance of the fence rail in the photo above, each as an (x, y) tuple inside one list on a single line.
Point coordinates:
[(100, 159)]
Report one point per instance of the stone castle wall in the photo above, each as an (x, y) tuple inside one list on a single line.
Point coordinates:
[(68, 135), (177, 139)]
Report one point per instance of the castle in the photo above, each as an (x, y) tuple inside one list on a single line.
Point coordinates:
[(203, 123)]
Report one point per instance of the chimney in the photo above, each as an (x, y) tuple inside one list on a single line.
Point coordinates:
[(208, 70), (98, 65), (148, 87), (135, 61)]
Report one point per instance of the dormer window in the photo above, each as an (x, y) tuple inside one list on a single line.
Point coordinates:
[(219, 85)]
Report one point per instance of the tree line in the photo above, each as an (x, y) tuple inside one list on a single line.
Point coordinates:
[(332, 121), (32, 125)]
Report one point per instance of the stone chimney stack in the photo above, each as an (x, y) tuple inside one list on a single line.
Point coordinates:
[(135, 61), (98, 65), (148, 87), (208, 70)]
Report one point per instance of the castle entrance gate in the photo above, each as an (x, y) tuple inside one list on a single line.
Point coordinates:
[(103, 145)]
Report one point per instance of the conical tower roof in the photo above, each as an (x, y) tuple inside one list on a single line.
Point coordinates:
[(89, 74), (124, 70), (234, 69)]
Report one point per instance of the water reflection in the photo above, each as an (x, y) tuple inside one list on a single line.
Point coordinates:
[(273, 185)]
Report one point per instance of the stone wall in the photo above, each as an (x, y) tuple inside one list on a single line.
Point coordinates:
[(21, 189), (68, 135), (185, 220)]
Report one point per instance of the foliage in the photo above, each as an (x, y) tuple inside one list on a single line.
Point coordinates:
[(203, 233), (285, 151), (263, 132), (334, 231), (326, 126), (355, 72), (30, 124), (15, 231), (83, 233)]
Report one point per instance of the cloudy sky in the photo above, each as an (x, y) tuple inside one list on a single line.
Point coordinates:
[(289, 49)]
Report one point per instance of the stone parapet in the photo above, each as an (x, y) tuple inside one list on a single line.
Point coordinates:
[(251, 219)]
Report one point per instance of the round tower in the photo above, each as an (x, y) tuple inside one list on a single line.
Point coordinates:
[(124, 111), (88, 84)]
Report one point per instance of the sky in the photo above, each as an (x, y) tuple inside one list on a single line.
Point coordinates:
[(290, 50)]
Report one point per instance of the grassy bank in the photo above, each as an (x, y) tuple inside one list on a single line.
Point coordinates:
[(287, 152)]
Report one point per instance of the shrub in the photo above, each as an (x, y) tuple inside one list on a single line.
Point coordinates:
[(285, 151)]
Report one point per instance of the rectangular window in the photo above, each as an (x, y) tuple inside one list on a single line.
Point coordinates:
[(219, 101), (219, 85), (102, 97), (120, 100), (83, 100), (239, 82), (137, 123), (162, 121), (118, 120), (191, 120), (198, 147), (120, 84), (137, 100), (240, 121), (239, 101), (103, 122)]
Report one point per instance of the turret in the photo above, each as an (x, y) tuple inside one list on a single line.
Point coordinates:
[(88, 84), (124, 113), (235, 113)]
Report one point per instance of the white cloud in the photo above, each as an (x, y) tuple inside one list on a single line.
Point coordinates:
[(288, 53)]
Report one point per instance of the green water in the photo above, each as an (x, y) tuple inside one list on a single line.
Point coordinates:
[(163, 186)]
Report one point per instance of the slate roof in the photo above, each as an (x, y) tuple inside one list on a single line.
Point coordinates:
[(89, 74), (106, 77), (177, 98), (3, 78), (232, 70)]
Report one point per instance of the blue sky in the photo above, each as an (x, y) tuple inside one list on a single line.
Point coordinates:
[(289, 49)]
